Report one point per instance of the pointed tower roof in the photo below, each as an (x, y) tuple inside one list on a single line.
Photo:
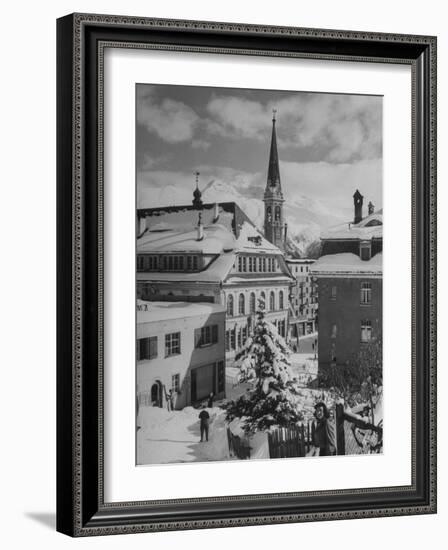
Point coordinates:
[(273, 180)]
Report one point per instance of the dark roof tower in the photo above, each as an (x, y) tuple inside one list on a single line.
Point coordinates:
[(197, 195)]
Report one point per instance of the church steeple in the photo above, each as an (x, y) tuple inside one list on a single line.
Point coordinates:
[(274, 225), (274, 169)]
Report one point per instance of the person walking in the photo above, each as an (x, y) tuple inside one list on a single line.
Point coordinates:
[(204, 418)]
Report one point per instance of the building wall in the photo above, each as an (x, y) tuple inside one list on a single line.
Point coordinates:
[(346, 312), (303, 297), (161, 369)]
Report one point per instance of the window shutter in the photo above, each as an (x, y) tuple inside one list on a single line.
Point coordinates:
[(197, 337)]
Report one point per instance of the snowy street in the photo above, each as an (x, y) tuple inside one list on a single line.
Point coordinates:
[(167, 437)]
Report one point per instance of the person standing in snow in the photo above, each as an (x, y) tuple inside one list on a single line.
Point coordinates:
[(205, 420), (323, 431)]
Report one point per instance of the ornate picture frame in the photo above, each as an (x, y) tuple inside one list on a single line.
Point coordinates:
[(81, 506)]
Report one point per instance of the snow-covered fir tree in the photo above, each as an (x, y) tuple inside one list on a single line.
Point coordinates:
[(271, 400)]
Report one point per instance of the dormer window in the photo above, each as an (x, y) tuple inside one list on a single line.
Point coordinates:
[(365, 250)]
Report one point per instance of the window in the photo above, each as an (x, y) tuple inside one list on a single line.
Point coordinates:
[(252, 305), (244, 263), (366, 293), (230, 305), (251, 264), (175, 382), (232, 339), (366, 331), (195, 263), (280, 300), (333, 293), (264, 265), (240, 338), (260, 264), (189, 263), (227, 340), (147, 348), (263, 298), (172, 344), (269, 214), (272, 301), (365, 250), (277, 213), (205, 336), (241, 305), (140, 263)]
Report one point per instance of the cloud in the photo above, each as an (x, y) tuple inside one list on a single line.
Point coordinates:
[(172, 121), (340, 127), (200, 144)]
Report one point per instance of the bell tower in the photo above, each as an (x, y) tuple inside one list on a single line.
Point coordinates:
[(274, 224)]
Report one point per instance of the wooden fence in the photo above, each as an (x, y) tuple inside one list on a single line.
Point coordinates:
[(290, 442), (238, 446)]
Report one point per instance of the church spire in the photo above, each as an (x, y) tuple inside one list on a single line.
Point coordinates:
[(274, 168), (274, 223)]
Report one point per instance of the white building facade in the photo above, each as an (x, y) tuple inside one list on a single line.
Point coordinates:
[(180, 353)]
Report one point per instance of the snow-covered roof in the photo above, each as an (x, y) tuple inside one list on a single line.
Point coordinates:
[(216, 239), (346, 263), (225, 228), (148, 312), (368, 228)]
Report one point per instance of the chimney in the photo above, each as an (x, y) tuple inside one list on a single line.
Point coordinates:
[(216, 213), (371, 208), (358, 200), (200, 228)]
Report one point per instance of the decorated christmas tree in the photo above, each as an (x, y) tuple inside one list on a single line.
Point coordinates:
[(271, 400)]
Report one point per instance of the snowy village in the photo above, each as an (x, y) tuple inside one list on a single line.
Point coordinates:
[(249, 346)]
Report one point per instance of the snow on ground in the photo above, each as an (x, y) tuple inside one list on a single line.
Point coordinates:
[(167, 437)]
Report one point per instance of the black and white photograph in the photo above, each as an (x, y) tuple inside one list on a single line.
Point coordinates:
[(259, 274)]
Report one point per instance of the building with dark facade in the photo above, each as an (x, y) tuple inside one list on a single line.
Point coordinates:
[(349, 275)]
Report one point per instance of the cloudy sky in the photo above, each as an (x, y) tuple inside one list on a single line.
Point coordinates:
[(329, 144)]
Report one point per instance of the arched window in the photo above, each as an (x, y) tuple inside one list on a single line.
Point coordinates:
[(277, 213), (241, 305), (280, 300), (269, 213), (272, 301), (263, 298), (230, 305), (252, 304)]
